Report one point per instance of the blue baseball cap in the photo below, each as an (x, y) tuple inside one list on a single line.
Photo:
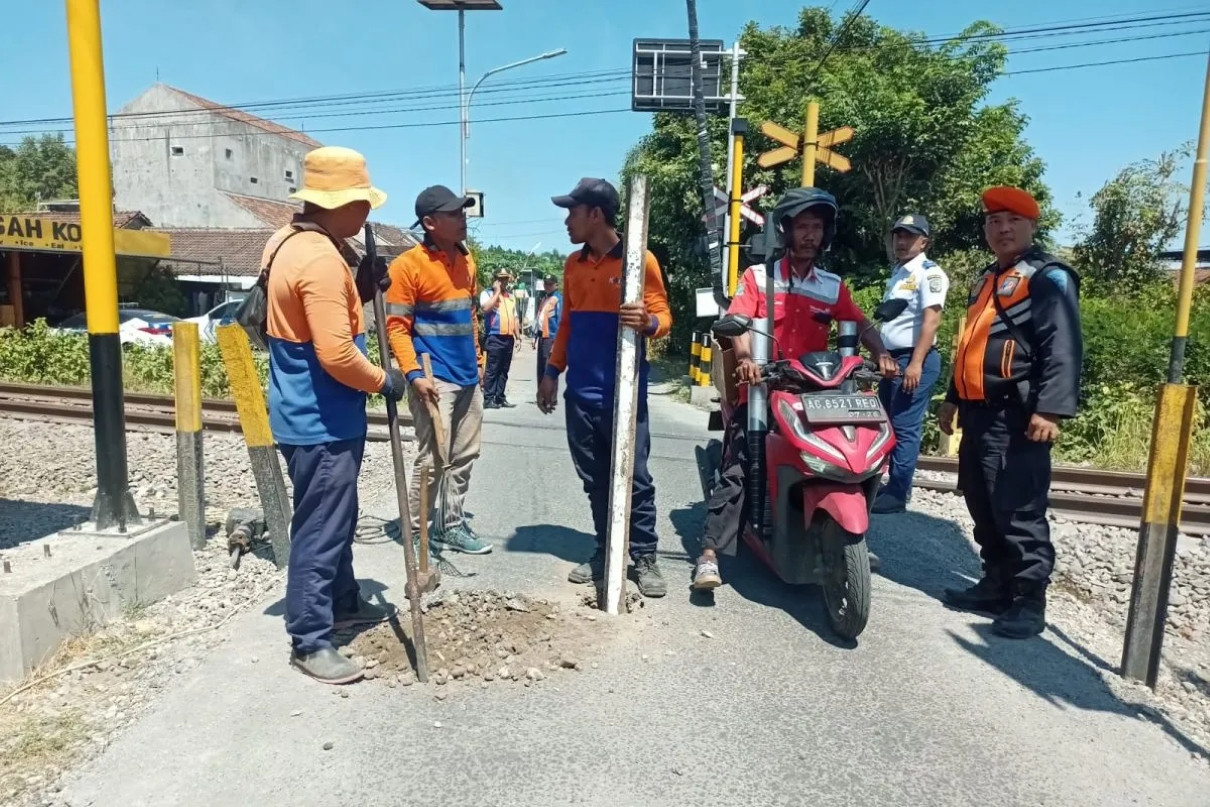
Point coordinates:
[(913, 223)]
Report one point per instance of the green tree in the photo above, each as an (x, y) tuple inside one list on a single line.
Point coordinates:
[(1135, 215), (926, 141), (38, 169)]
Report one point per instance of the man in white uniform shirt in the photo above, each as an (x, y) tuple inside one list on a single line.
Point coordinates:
[(911, 340)]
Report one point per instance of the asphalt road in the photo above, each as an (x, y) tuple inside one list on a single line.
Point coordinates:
[(928, 708)]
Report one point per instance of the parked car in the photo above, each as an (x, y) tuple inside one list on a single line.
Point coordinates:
[(135, 325), (221, 314)]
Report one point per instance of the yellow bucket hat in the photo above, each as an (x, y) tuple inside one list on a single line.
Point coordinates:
[(334, 176)]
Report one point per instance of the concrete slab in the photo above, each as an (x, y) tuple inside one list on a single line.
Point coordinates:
[(71, 582)]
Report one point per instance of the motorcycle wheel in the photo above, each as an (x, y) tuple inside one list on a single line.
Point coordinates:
[(846, 584)]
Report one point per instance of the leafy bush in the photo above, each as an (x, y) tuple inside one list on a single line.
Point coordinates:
[(38, 355)]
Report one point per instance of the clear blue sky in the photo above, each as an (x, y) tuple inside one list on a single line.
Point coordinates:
[(1084, 123)]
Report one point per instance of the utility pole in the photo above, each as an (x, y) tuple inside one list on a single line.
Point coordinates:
[(1171, 432), (113, 506)]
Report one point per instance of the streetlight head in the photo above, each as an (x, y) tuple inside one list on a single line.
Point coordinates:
[(550, 54), (461, 5)]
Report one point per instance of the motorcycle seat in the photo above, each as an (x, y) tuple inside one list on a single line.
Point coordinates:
[(823, 363)]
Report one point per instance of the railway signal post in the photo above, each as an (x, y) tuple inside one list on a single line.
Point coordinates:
[(1170, 438), (113, 506), (811, 146)]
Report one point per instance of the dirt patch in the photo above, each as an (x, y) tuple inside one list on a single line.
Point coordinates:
[(481, 637)]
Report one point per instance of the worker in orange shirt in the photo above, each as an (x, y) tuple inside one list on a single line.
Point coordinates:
[(319, 379), (549, 314), (503, 326), (586, 347), (429, 307)]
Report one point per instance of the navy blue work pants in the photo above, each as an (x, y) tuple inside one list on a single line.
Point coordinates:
[(499, 361), (319, 580), (906, 411), (545, 345), (590, 438)]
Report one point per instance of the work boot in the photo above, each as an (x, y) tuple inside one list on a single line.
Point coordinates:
[(591, 572), (705, 574), (366, 613), (887, 503), (327, 666), (459, 540), (505, 403), (1026, 616), (991, 594), (491, 403), (650, 579)]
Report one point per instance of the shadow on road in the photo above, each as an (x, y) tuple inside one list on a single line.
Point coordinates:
[(1062, 680), (923, 552), (553, 539), (750, 579), (371, 589), (21, 521)]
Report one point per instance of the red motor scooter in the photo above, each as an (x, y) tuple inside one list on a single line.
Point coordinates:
[(816, 469)]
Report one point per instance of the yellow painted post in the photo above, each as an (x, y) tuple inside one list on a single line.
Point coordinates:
[(1170, 439), (739, 129), (950, 442), (258, 436), (695, 357), (190, 465), (809, 144), (704, 373), (113, 506)]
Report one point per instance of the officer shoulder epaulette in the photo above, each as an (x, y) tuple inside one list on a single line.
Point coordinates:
[(1052, 267), (929, 264)]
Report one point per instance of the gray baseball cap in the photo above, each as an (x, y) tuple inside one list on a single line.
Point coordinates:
[(913, 223)]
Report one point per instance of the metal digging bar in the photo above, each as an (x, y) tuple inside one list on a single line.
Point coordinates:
[(415, 586)]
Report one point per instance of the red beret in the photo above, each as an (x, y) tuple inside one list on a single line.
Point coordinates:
[(1014, 200)]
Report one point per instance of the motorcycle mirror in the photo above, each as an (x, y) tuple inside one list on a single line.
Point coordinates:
[(731, 326), (888, 310), (822, 317)]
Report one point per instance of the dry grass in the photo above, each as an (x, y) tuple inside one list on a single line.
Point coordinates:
[(40, 734)]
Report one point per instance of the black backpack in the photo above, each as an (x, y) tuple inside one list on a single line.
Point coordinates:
[(253, 312)]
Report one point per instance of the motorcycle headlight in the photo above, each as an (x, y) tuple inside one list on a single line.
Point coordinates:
[(790, 415), (884, 434)]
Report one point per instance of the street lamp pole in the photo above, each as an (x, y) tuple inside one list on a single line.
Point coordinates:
[(465, 106), (462, 6)]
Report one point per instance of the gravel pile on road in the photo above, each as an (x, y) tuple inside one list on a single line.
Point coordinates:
[(477, 637), (1089, 601)]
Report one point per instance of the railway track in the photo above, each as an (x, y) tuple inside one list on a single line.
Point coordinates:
[(143, 411), (1089, 495), (1113, 498)]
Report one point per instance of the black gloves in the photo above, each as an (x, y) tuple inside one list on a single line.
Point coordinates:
[(371, 276), (395, 385)]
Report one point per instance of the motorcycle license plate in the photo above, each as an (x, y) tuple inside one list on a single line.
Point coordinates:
[(825, 409)]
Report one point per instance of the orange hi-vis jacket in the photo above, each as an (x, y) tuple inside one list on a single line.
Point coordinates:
[(430, 309), (586, 345), (1022, 339)]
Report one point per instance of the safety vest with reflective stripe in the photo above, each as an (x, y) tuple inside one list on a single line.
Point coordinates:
[(502, 319), (549, 316)]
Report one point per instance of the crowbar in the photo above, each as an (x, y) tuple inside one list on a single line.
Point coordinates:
[(415, 586)]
